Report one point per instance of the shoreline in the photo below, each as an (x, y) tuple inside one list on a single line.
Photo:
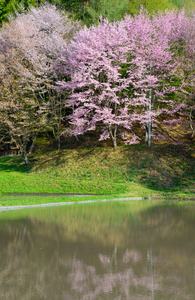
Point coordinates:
[(6, 208), (53, 204)]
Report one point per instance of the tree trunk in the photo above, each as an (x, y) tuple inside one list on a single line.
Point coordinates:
[(33, 144), (31, 147), (25, 158), (149, 109), (114, 142), (58, 141), (76, 137), (146, 133), (113, 135), (191, 123)]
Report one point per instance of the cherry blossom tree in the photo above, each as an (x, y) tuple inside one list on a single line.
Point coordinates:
[(115, 69), (188, 68), (93, 62), (156, 43)]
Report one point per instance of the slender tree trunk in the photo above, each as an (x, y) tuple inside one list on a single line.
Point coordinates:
[(113, 135), (59, 143), (146, 133), (31, 147), (191, 123), (114, 142), (25, 158), (57, 139), (22, 150), (33, 144), (76, 137), (149, 125)]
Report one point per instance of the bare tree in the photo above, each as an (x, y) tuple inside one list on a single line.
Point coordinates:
[(29, 46)]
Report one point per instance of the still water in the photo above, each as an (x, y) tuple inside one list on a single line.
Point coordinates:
[(113, 251)]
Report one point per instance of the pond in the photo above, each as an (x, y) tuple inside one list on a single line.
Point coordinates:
[(127, 250)]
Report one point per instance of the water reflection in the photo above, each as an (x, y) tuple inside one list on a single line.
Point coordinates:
[(102, 251)]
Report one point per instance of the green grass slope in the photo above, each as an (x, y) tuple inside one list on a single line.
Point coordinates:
[(162, 170)]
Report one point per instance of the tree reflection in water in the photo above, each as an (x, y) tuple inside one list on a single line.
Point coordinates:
[(53, 254)]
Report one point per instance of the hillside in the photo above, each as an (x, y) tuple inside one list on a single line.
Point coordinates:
[(136, 170)]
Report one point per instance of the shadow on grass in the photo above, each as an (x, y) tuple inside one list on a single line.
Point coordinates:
[(56, 158), (163, 167), (14, 164)]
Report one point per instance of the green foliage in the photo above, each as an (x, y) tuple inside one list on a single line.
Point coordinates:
[(152, 6), (10, 7), (76, 8), (189, 7), (89, 10), (112, 10), (177, 3)]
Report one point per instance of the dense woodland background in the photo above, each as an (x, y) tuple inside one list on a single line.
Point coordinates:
[(42, 49), (89, 10)]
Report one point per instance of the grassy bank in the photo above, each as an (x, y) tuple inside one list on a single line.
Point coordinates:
[(130, 171)]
